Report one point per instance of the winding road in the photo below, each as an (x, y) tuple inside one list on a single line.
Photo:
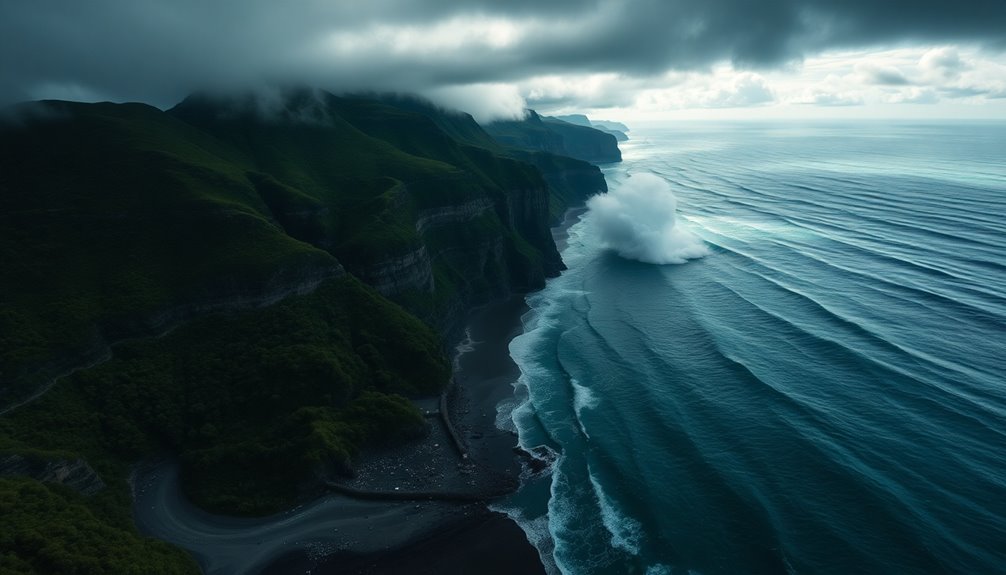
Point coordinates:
[(231, 545)]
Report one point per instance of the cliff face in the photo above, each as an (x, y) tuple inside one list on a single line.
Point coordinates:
[(408, 272), (535, 133), (585, 143), (73, 473), (120, 221), (616, 129), (571, 181), (444, 222)]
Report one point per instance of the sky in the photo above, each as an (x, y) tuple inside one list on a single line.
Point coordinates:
[(613, 59)]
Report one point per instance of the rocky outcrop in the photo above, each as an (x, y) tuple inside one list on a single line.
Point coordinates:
[(411, 271), (452, 214), (609, 125), (73, 473), (474, 246), (571, 181), (620, 136), (578, 119)]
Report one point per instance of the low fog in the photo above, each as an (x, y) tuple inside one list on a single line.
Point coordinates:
[(459, 53)]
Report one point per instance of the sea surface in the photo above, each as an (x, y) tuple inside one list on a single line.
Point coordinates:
[(823, 392)]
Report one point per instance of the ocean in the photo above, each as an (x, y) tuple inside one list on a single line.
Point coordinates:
[(817, 384)]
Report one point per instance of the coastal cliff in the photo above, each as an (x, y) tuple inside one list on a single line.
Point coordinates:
[(543, 134), (227, 205), (437, 224), (249, 286), (572, 181), (616, 129)]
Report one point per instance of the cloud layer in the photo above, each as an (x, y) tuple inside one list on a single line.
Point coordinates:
[(158, 50)]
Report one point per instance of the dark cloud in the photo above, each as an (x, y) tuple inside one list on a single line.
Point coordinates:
[(158, 50)]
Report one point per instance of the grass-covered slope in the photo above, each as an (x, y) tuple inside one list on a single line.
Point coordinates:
[(398, 186), (119, 221), (257, 405), (254, 403), (115, 219), (202, 254)]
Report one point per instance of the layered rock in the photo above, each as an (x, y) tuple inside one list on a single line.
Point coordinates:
[(76, 474), (411, 271)]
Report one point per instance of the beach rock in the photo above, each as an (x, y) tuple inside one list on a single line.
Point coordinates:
[(538, 459)]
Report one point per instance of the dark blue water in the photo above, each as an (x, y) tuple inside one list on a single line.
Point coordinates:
[(825, 392)]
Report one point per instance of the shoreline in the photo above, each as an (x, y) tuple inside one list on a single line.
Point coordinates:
[(487, 542), (408, 506), (421, 507), (471, 538)]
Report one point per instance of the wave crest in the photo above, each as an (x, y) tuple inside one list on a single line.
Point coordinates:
[(637, 219)]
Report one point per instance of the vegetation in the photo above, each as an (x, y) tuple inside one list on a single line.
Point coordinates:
[(377, 164), (256, 405), (571, 181), (175, 239), (51, 529), (253, 403), (554, 136), (113, 213)]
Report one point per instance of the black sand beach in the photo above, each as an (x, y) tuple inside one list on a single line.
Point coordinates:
[(340, 534), (424, 509)]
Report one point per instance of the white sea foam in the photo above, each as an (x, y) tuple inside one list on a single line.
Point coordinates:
[(626, 532), (583, 398), (638, 220), (560, 512), (537, 532), (534, 388)]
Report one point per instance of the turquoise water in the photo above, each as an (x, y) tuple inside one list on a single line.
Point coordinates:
[(824, 392)]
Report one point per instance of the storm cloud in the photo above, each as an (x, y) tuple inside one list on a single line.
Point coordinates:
[(157, 51)]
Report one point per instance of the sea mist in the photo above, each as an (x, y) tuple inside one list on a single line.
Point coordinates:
[(638, 221)]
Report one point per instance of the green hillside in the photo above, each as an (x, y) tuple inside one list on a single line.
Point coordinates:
[(212, 262), (538, 134), (378, 168), (113, 214)]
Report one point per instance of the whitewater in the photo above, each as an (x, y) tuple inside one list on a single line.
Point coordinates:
[(779, 348)]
